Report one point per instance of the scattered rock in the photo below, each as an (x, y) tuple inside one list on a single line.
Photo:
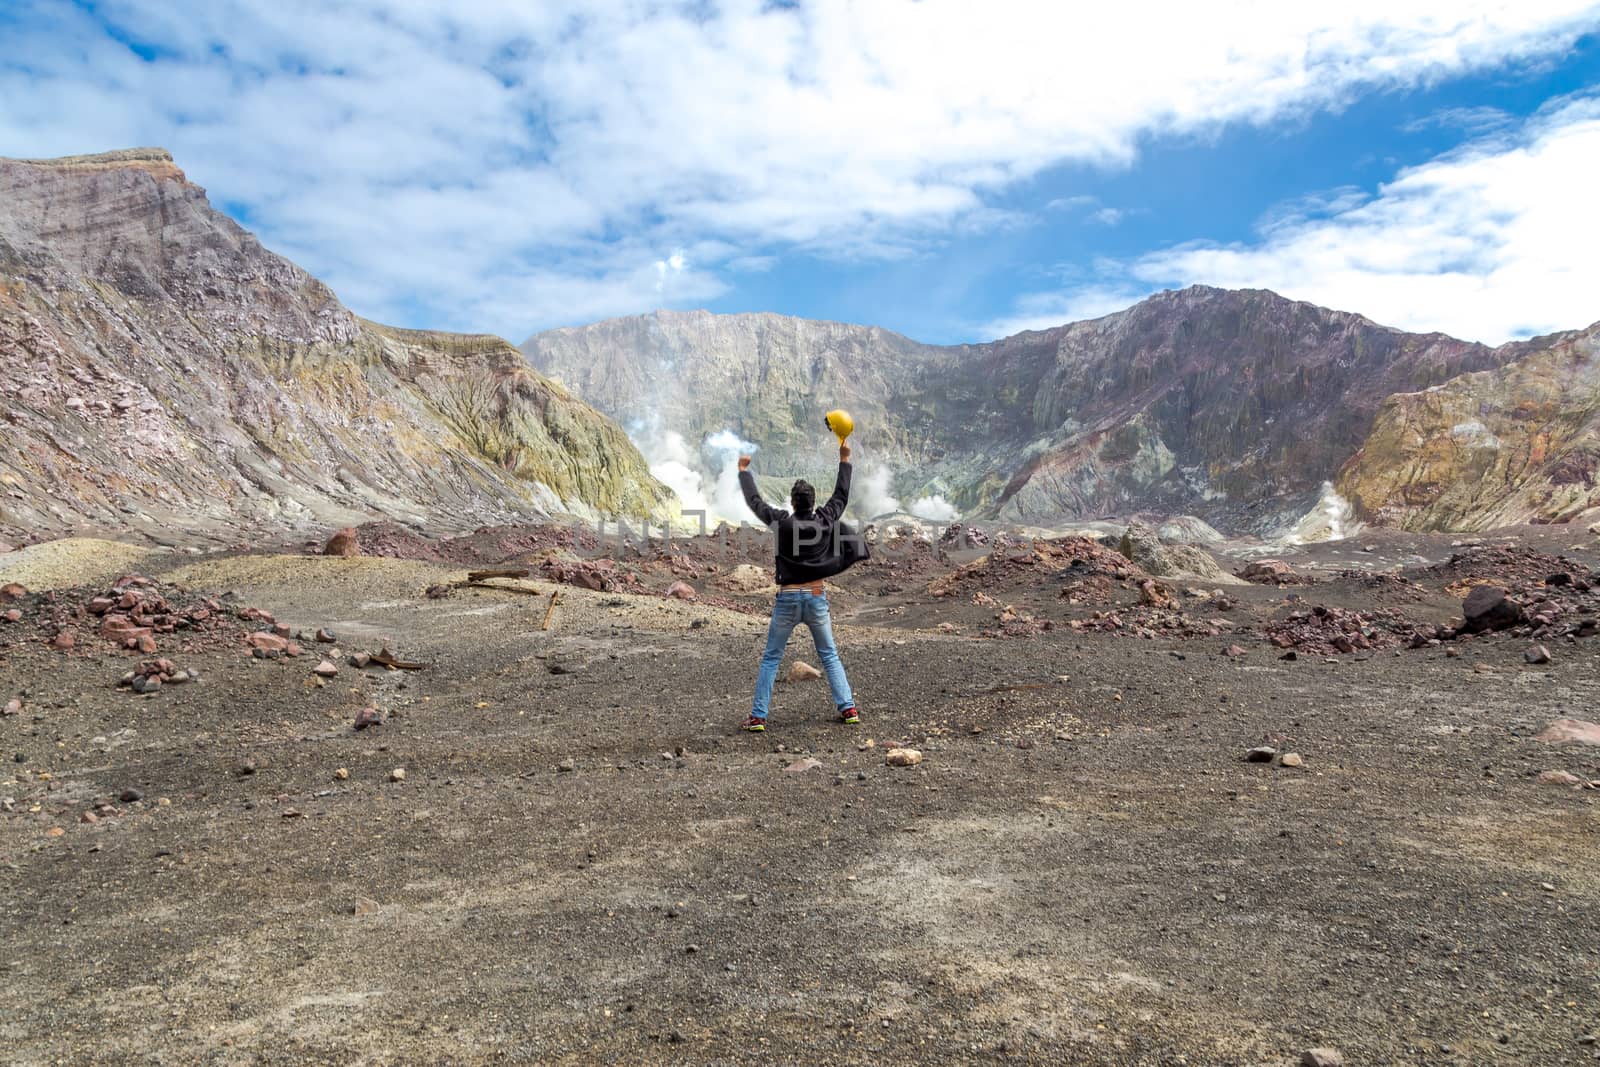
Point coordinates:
[(1537, 655), (326, 636), (1233, 651), (344, 543), (1292, 759), (397, 775), (363, 906), (802, 672), (369, 716), (903, 757), (12, 591), (64, 642), (439, 592), (325, 669), (13, 706), (130, 796), (341, 774), (1261, 754), (11, 615), (799, 766), (1321, 1057), (567, 766), (1570, 731), (681, 591)]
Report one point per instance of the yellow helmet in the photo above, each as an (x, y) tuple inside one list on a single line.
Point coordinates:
[(840, 422)]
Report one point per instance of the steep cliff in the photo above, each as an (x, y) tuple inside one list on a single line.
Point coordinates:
[(1514, 445), (160, 369), (1233, 405)]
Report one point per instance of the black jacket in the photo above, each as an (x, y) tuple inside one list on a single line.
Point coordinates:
[(812, 546)]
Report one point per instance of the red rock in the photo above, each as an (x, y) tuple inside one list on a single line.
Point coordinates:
[(326, 636), (1233, 652), (681, 591), (100, 605), (12, 615), (64, 642), (14, 706), (368, 717), (199, 614), (266, 642), (146, 644), (115, 627), (12, 591), (344, 543), (325, 669), (282, 629), (291, 649)]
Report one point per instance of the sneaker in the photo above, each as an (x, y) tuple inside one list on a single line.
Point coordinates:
[(849, 716), (755, 725)]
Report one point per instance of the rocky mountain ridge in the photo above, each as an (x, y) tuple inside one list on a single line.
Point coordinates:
[(161, 370), (1236, 406)]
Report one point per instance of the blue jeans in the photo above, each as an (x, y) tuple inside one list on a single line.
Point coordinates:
[(791, 609)]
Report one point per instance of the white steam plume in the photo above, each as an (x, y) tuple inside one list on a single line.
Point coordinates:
[(706, 479), (934, 508), (727, 500), (872, 496), (1330, 520)]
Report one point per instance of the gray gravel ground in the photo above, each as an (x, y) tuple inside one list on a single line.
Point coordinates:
[(1082, 869)]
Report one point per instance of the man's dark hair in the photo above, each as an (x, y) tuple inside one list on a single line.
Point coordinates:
[(803, 497)]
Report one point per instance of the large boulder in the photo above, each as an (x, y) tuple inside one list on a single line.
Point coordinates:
[(747, 578), (344, 543), (1489, 607), (1141, 545), (1268, 572)]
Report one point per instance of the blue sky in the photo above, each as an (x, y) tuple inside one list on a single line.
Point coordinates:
[(950, 170)]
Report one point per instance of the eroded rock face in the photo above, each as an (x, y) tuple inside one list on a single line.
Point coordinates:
[(161, 370), (1514, 445), (1233, 406)]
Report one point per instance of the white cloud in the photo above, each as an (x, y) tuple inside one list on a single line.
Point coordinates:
[(1491, 242), (1041, 311), (506, 166)]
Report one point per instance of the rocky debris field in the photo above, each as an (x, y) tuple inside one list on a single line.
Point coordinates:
[(498, 825)]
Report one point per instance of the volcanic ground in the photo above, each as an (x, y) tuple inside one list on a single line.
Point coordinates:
[(553, 844)]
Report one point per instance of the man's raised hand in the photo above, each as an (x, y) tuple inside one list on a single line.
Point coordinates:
[(844, 452), (744, 463)]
